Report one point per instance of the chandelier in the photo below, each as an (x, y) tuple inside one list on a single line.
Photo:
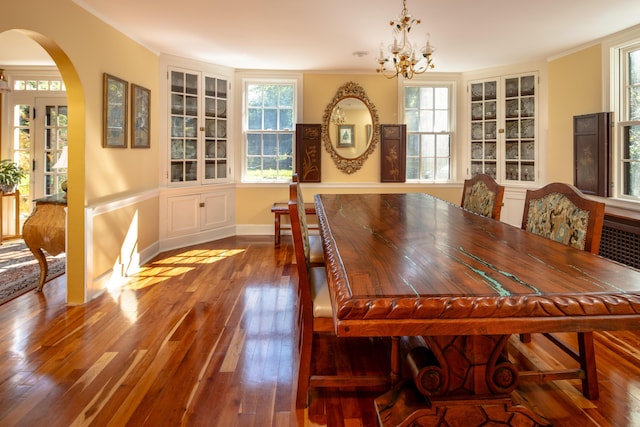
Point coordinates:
[(402, 58), (338, 116)]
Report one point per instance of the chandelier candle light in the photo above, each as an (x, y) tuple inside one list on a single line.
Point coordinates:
[(404, 59)]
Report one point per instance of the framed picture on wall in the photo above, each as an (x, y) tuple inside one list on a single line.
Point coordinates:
[(115, 92), (140, 104), (346, 136)]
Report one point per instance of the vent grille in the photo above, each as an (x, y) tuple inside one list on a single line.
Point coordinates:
[(620, 243)]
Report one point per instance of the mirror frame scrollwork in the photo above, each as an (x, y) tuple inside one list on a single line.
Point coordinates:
[(350, 90)]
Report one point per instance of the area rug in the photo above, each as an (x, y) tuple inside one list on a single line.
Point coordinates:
[(19, 269)]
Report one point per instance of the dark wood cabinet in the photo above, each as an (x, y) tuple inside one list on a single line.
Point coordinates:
[(591, 148), (393, 161), (308, 153)]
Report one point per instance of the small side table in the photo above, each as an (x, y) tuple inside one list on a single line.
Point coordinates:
[(15, 194), (46, 229)]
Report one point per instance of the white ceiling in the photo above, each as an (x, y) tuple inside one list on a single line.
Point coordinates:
[(322, 35)]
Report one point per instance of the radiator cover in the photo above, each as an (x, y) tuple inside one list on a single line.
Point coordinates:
[(621, 239)]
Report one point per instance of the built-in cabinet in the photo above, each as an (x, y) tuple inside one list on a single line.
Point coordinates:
[(198, 203), (503, 133), (193, 217)]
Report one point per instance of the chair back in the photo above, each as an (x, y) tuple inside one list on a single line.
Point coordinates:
[(560, 212), (483, 195), (300, 233)]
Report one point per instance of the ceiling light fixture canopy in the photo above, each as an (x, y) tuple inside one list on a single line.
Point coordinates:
[(4, 84), (403, 58)]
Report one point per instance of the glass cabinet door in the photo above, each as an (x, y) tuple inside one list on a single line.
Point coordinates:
[(184, 126), (215, 132), (503, 128), (198, 121), (520, 134), (484, 137)]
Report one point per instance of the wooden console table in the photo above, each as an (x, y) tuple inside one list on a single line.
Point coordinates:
[(46, 229), (15, 194)]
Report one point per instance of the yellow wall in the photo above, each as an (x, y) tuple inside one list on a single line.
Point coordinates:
[(320, 89), (84, 48), (122, 233), (575, 87), (253, 202), (97, 176)]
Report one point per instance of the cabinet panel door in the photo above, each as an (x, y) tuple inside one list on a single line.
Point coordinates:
[(215, 210), (308, 152), (183, 215), (591, 142), (393, 143)]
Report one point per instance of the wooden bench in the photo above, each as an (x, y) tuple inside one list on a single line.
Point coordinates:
[(280, 209)]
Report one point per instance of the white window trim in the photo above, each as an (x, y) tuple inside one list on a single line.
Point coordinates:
[(452, 84), (612, 47), (250, 77)]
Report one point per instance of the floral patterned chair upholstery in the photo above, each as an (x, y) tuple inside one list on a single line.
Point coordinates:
[(560, 212), (483, 195)]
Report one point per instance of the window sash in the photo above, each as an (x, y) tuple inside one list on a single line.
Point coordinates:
[(269, 130), (427, 114), (628, 135)]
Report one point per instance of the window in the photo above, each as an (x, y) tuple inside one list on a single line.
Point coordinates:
[(269, 130), (42, 85), (427, 114), (629, 125)]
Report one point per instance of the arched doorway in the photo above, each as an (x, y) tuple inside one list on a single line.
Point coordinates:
[(76, 125)]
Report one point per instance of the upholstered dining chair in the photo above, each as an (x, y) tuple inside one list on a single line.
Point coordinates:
[(562, 213), (483, 195), (314, 313)]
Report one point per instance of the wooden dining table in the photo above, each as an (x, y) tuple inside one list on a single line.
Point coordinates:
[(413, 265)]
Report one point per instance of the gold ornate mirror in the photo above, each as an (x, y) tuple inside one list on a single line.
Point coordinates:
[(350, 128)]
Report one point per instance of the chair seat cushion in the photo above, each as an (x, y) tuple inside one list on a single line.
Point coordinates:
[(320, 292), (316, 253)]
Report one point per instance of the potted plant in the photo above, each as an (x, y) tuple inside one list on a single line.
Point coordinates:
[(10, 175)]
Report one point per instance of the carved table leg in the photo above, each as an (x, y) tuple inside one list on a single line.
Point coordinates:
[(44, 267), (454, 378), (45, 230)]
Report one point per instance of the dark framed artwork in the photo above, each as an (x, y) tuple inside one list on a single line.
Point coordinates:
[(115, 92), (140, 105), (392, 155), (308, 152), (346, 137)]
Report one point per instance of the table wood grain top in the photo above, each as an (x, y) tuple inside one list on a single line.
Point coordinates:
[(398, 257)]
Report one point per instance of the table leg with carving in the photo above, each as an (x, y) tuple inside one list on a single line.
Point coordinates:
[(454, 378)]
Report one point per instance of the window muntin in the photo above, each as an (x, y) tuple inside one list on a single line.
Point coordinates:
[(427, 114), (269, 131)]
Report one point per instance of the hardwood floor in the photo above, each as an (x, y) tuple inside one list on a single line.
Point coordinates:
[(202, 336)]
